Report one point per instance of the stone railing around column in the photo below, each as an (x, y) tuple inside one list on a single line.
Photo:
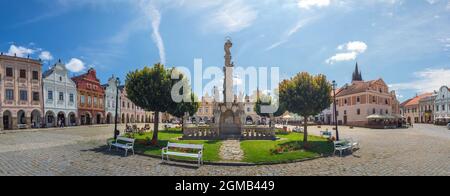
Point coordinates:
[(258, 133), (201, 133)]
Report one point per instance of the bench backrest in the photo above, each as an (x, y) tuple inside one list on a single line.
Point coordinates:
[(125, 139), (340, 143), (187, 146)]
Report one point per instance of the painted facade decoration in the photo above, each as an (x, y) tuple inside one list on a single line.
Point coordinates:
[(60, 97), (90, 99)]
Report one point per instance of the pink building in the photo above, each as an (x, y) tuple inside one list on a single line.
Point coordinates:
[(20, 93), (131, 113), (357, 101)]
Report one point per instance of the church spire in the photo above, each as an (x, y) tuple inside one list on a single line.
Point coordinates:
[(357, 76)]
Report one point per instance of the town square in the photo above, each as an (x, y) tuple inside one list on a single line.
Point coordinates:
[(160, 108)]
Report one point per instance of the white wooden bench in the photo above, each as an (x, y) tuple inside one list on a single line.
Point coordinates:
[(341, 146), (167, 151), (326, 134), (346, 144), (123, 143)]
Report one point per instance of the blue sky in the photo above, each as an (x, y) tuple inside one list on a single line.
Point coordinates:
[(405, 42)]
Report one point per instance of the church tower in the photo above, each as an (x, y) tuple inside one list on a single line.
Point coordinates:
[(357, 76)]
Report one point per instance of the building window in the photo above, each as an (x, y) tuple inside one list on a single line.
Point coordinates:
[(83, 99), (23, 73), (387, 111), (36, 96), (35, 75), (358, 99), (9, 72), (358, 111), (60, 78), (443, 107), (9, 94), (23, 95), (345, 101), (123, 104), (71, 98), (374, 111), (95, 101), (61, 96), (50, 95)]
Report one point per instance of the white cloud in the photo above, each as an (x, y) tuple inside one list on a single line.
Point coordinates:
[(75, 65), (427, 80), (308, 4), (284, 38), (20, 51), (232, 16), (351, 51), (46, 56), (155, 16)]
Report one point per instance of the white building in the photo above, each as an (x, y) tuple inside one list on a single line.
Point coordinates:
[(110, 100), (442, 105), (60, 97)]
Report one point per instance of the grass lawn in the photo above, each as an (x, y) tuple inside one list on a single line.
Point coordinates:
[(211, 148), (287, 148)]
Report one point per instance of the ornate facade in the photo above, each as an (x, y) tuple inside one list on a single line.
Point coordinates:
[(90, 99), (60, 97), (20, 92), (442, 105)]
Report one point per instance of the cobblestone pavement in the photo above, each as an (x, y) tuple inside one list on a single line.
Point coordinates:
[(423, 150), (231, 151)]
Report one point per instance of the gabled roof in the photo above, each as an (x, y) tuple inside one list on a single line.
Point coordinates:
[(47, 73)]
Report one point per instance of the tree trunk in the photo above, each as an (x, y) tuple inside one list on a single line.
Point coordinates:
[(305, 132), (155, 129)]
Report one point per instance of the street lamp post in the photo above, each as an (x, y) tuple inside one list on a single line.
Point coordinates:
[(116, 131), (335, 110)]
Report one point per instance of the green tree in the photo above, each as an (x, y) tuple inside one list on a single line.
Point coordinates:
[(150, 89), (306, 95)]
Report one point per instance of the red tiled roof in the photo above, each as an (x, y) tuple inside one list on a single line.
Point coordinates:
[(415, 100), (357, 87)]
